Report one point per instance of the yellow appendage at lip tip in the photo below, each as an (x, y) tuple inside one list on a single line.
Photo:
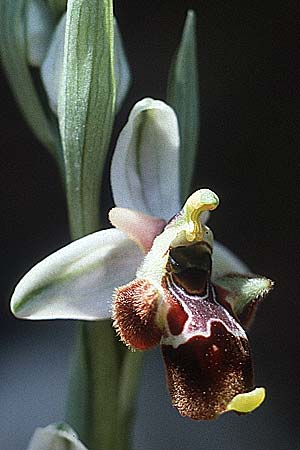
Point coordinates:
[(200, 201), (247, 402)]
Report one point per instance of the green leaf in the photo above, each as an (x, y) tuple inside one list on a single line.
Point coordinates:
[(26, 87), (86, 106), (57, 7), (183, 96)]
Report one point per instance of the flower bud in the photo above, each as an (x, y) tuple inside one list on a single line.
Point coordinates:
[(52, 67), (39, 26), (55, 436)]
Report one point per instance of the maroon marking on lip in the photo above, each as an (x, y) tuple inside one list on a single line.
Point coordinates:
[(176, 316), (204, 374), (221, 295), (201, 310)]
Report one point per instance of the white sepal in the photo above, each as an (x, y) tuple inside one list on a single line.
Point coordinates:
[(224, 261), (145, 164), (55, 437), (77, 281), (39, 27)]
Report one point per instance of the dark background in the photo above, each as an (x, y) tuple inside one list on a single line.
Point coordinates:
[(248, 154)]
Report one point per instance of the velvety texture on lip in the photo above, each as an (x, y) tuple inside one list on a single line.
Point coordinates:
[(134, 314), (205, 373), (209, 362)]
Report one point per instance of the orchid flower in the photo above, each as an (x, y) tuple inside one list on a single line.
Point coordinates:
[(171, 285), (55, 437)]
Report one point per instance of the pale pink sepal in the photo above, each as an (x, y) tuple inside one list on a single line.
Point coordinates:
[(140, 227)]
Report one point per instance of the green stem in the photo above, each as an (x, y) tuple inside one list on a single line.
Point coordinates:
[(93, 395), (103, 385), (104, 374), (129, 378)]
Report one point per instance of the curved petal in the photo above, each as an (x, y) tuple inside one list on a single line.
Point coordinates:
[(224, 261), (77, 281), (58, 437), (145, 164)]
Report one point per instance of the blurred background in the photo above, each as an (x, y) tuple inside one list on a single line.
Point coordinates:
[(248, 154)]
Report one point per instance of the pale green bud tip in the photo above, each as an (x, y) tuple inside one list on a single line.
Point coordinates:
[(247, 402), (39, 26)]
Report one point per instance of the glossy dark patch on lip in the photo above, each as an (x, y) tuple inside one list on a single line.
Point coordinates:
[(190, 267), (205, 373)]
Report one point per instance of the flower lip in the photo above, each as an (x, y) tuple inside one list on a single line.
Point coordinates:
[(205, 373)]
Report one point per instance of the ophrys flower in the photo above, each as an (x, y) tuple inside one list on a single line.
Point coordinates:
[(186, 294)]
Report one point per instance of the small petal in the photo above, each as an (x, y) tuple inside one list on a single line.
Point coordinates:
[(243, 293), (53, 65), (145, 164), (55, 437), (224, 262), (39, 27), (140, 227), (77, 281)]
